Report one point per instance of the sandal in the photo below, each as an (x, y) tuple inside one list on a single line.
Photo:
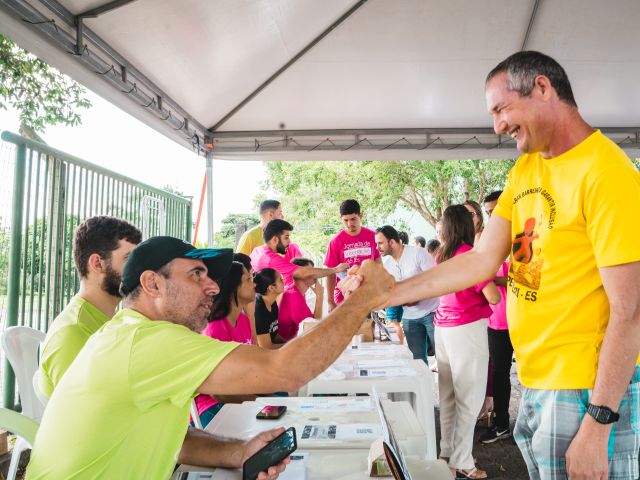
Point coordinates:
[(474, 473)]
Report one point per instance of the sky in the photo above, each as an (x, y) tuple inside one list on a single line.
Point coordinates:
[(113, 139)]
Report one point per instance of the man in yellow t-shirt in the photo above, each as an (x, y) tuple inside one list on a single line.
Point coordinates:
[(122, 408), (567, 217), (100, 247), (254, 237)]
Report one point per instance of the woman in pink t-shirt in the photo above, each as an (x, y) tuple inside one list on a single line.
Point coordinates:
[(478, 220), (461, 349), (228, 323), (293, 307)]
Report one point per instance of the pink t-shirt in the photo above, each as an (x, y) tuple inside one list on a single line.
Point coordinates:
[(292, 310), (352, 249), (223, 331), (465, 306), (264, 257), (498, 320), (292, 252)]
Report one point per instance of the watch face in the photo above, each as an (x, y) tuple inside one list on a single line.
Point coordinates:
[(603, 415)]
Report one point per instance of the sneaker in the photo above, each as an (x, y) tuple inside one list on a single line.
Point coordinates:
[(494, 434)]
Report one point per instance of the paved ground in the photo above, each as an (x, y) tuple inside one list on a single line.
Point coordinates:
[(501, 459)]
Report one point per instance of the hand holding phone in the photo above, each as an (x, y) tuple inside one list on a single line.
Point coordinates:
[(271, 455), (271, 412)]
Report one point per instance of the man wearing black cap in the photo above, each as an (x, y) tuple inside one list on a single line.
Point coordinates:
[(122, 407)]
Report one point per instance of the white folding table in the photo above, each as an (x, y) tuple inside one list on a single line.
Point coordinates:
[(420, 385)]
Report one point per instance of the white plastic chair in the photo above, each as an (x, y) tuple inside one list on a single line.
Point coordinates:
[(21, 346), (18, 424)]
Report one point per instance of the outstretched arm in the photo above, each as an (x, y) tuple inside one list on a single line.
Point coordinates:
[(313, 272), (461, 271), (250, 369), (331, 286)]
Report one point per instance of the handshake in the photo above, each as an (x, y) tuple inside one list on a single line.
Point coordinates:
[(371, 282)]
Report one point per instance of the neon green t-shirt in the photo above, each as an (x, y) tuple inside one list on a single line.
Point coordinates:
[(67, 335), (122, 409), (570, 215), (249, 240)]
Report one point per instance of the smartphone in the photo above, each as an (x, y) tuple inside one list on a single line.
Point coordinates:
[(272, 454), (271, 412)]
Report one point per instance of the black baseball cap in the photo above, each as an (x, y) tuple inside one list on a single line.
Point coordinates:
[(155, 252)]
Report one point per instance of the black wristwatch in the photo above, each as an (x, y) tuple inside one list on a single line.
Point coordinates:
[(602, 414)]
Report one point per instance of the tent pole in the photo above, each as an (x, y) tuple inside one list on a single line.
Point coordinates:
[(210, 198)]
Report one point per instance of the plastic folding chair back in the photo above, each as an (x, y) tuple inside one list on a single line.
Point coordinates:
[(21, 346)]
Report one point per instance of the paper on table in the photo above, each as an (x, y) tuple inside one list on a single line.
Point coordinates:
[(346, 404), (295, 470), (386, 372), (358, 431), (381, 346), (345, 431), (370, 352), (331, 374), (343, 367), (382, 362)]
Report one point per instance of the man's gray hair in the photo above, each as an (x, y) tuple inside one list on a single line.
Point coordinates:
[(522, 68)]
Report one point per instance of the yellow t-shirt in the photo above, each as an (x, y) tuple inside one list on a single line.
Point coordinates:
[(570, 215), (249, 240), (122, 409), (67, 335)]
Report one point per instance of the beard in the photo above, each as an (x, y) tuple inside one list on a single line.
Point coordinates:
[(280, 248), (111, 281), (194, 319)]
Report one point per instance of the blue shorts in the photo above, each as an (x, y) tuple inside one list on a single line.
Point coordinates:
[(394, 313)]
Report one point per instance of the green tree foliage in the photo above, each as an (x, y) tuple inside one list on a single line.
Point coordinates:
[(226, 236), (37, 259), (5, 241), (312, 191), (41, 95)]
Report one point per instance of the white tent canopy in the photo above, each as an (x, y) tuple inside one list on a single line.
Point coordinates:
[(333, 79)]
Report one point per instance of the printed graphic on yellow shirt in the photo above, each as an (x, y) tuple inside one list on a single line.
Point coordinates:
[(527, 264)]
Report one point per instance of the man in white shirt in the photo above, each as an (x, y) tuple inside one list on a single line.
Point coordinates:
[(402, 262)]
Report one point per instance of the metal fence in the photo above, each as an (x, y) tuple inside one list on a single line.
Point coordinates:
[(52, 193)]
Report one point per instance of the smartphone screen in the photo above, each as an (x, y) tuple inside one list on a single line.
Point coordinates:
[(271, 412), (270, 455)]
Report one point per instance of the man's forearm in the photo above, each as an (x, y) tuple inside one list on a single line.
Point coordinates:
[(331, 286), (455, 274), (204, 450), (313, 272), (317, 312), (617, 360), (235, 398)]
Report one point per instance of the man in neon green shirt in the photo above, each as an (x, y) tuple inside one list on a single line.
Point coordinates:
[(122, 409), (100, 247), (254, 237)]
